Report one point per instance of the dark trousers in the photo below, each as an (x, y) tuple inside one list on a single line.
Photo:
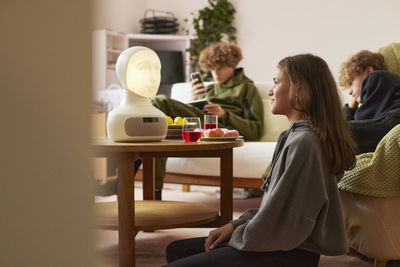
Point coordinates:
[(191, 253)]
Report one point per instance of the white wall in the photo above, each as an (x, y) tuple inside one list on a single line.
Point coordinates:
[(124, 15), (45, 186), (269, 30), (120, 15)]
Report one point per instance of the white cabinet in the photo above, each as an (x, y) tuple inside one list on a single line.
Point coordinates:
[(107, 45)]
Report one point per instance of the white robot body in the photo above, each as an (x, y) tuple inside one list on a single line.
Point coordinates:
[(136, 119)]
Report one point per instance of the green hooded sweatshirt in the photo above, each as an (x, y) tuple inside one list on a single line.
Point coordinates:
[(240, 99)]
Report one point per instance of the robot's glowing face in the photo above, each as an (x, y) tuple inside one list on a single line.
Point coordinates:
[(143, 73)]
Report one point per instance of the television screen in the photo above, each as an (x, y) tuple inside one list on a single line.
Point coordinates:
[(172, 70)]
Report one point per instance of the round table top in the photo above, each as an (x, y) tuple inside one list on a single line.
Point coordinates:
[(103, 143), (156, 214)]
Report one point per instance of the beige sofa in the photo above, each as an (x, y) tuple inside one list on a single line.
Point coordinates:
[(249, 161)]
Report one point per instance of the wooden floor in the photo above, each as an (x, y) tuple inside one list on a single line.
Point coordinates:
[(150, 246)]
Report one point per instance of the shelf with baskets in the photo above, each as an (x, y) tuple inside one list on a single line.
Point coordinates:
[(159, 22), (108, 44)]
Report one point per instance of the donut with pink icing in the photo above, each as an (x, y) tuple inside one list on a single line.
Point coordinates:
[(231, 133)]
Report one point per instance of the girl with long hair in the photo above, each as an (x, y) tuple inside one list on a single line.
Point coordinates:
[(300, 215)]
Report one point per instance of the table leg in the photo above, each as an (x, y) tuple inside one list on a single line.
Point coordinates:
[(126, 209), (226, 173), (148, 178)]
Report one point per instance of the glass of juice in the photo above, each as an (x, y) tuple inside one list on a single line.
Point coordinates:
[(191, 129), (210, 121)]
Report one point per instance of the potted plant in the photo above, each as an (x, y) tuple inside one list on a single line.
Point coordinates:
[(211, 24)]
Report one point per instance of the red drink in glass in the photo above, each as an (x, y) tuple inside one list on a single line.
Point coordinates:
[(210, 126), (210, 121), (191, 136)]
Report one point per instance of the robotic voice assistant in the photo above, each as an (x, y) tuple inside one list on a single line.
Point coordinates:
[(136, 119)]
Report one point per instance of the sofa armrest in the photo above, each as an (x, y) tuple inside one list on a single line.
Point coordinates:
[(249, 161), (183, 91)]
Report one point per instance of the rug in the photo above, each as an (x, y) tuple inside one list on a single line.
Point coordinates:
[(150, 246)]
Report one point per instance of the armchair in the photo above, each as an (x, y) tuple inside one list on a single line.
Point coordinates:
[(370, 196)]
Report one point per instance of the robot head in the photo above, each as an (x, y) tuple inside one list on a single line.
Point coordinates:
[(139, 71)]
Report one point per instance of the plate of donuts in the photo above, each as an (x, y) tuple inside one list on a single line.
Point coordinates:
[(220, 134), (220, 138)]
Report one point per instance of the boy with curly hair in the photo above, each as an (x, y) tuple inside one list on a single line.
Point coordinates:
[(375, 105)]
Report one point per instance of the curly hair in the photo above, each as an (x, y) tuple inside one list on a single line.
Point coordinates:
[(357, 64), (222, 54)]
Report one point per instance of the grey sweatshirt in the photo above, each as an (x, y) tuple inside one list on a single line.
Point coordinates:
[(300, 207)]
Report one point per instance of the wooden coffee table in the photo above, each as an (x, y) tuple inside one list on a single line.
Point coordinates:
[(127, 152)]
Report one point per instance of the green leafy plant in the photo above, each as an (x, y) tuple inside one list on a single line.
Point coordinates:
[(211, 24)]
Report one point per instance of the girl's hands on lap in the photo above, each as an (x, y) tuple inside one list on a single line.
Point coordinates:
[(218, 236)]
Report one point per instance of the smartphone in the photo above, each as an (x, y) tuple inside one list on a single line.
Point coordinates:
[(196, 75)]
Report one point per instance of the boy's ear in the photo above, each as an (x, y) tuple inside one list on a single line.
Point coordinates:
[(370, 69)]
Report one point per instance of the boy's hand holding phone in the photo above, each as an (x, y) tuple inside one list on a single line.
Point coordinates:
[(198, 88)]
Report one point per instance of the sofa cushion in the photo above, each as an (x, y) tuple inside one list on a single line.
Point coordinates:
[(249, 161)]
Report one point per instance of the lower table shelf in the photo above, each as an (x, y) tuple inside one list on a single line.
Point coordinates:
[(155, 214)]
